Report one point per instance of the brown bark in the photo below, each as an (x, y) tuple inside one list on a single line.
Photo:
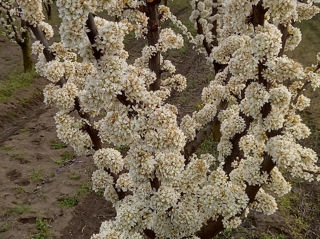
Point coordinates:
[(257, 18), (258, 15), (285, 35), (153, 38), (92, 35), (26, 51), (48, 8), (92, 132), (202, 135), (236, 151), (39, 35), (211, 229)]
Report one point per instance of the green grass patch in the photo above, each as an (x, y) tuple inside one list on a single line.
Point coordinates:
[(43, 229), (75, 176), (9, 116), (42, 195), (4, 227), (208, 146), (129, 38), (20, 190), (6, 147), (66, 158), (184, 99), (191, 84), (37, 176), (288, 204), (19, 209), (13, 82), (273, 236), (84, 189), (122, 148), (17, 156), (239, 232), (57, 145), (307, 50), (24, 130), (211, 77), (68, 201), (24, 101)]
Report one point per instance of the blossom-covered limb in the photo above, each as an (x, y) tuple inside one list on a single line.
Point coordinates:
[(305, 85), (40, 36), (192, 146), (50, 57)]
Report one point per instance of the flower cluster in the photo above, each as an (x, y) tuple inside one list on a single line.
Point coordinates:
[(31, 11)]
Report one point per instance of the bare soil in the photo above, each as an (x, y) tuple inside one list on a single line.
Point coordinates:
[(10, 57)]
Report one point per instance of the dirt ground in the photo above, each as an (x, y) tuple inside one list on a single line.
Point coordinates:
[(41, 178), (10, 57)]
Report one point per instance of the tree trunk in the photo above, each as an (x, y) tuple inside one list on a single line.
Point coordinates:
[(48, 9), (49, 12), (26, 51), (153, 38)]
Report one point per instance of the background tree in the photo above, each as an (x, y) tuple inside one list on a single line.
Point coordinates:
[(159, 187), (47, 4), (15, 29)]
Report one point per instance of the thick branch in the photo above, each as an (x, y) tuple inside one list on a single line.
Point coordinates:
[(16, 35), (205, 43), (93, 133), (285, 35), (204, 133), (236, 151), (153, 38), (207, 46), (258, 14), (39, 35), (257, 18), (26, 48), (192, 146), (211, 229), (92, 35)]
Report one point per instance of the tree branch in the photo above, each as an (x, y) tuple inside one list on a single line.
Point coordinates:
[(153, 38), (213, 228), (93, 133), (305, 85), (192, 146), (92, 35), (39, 35)]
